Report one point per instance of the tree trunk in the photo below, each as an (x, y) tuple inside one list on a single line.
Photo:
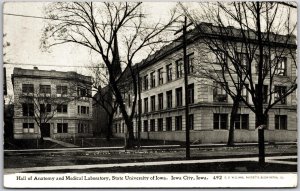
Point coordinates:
[(234, 109), (260, 124), (109, 127), (127, 119)]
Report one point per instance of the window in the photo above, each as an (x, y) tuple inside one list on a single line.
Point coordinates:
[(84, 110), (178, 97), (169, 124), (241, 121), (146, 82), (146, 105), (63, 90), (281, 66), (152, 76), (280, 122), (219, 93), (78, 109), (160, 76), (44, 108), (191, 94), (161, 101), (245, 92), (27, 88), (152, 125), (178, 123), (62, 127), (152, 103), (169, 72), (169, 99), (45, 89), (145, 125), (62, 108), (28, 109), (179, 68), (28, 127), (242, 57), (160, 124), (264, 91), (82, 92), (80, 128), (220, 121), (191, 121), (266, 64), (190, 61), (83, 128), (280, 91)]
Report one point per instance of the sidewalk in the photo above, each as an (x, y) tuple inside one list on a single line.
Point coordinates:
[(64, 144), (158, 163), (71, 147)]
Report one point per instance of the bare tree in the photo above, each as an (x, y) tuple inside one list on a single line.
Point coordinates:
[(253, 40), (97, 27), (103, 98), (42, 106)]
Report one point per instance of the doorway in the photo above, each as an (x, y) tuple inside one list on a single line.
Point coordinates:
[(45, 129)]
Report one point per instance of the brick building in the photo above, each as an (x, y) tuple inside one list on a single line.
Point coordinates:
[(56, 100), (162, 99)]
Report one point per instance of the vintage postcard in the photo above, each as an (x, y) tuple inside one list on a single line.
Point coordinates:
[(150, 94)]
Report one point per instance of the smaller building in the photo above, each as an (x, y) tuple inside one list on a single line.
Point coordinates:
[(51, 104)]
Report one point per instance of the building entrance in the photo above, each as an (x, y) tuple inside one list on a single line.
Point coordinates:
[(45, 129)]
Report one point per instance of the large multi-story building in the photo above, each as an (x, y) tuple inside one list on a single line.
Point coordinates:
[(51, 104), (162, 97)]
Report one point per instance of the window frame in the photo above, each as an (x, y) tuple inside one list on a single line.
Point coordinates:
[(218, 118), (178, 97), (27, 88), (191, 93), (241, 117), (45, 89), (160, 101), (168, 123), (278, 122), (278, 92), (28, 128), (160, 124), (169, 72), (179, 68), (281, 71), (160, 76), (152, 79), (178, 123), (219, 93), (152, 100)]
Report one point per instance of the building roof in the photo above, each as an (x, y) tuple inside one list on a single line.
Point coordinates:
[(230, 33), (50, 74)]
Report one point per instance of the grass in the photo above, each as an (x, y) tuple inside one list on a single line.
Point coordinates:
[(19, 144)]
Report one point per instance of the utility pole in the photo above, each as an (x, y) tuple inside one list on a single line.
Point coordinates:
[(185, 66), (139, 107)]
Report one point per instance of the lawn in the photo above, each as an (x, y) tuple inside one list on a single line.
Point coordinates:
[(19, 144)]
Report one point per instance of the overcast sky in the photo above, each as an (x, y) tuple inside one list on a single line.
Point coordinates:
[(24, 34)]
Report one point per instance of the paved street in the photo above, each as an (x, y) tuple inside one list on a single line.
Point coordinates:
[(75, 159)]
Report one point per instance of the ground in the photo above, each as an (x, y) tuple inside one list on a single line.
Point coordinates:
[(208, 158)]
